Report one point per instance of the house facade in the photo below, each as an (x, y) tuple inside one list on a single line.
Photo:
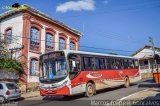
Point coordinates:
[(35, 33), (147, 64)]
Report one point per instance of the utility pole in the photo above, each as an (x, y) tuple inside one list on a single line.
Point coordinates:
[(151, 40)]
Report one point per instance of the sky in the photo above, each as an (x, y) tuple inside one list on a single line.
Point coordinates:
[(107, 26)]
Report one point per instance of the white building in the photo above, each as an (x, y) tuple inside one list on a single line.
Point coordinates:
[(146, 61)]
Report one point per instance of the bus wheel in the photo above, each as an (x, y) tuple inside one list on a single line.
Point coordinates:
[(90, 89), (65, 96), (126, 82)]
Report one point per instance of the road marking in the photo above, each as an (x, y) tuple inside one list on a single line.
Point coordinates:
[(132, 94)]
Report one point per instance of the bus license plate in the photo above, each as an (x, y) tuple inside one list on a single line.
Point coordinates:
[(49, 91)]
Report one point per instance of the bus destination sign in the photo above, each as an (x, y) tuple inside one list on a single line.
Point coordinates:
[(52, 55)]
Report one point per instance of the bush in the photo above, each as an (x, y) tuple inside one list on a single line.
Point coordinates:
[(8, 64), (11, 65)]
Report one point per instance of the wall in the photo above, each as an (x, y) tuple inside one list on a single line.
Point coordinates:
[(15, 22)]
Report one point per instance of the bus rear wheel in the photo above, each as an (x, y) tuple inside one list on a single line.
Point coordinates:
[(90, 89), (126, 82)]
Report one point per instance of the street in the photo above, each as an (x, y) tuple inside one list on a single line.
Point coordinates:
[(107, 94)]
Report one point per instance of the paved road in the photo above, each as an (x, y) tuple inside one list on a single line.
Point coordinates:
[(80, 100)]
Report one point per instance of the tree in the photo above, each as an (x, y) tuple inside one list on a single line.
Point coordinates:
[(8, 64), (3, 51)]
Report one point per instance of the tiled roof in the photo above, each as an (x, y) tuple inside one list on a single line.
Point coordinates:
[(145, 47), (40, 14)]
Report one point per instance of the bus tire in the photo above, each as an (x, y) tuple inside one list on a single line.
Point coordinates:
[(126, 82), (65, 96), (90, 89)]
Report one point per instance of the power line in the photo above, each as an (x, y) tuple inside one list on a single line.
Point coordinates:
[(114, 37), (92, 47), (109, 36)]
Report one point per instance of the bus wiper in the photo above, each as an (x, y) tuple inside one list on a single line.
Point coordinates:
[(51, 80)]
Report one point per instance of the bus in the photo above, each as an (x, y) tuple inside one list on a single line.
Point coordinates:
[(70, 72)]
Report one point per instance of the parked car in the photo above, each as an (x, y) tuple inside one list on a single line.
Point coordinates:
[(9, 91)]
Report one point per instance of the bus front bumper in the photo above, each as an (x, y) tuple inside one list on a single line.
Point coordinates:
[(56, 91)]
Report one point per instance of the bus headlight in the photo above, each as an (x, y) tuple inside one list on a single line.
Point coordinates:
[(63, 84)]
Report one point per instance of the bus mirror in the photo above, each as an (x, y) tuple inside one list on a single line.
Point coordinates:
[(73, 63)]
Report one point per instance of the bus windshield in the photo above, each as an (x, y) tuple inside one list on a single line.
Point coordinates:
[(53, 69)]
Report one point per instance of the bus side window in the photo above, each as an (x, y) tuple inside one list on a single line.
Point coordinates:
[(116, 63), (74, 63), (102, 63), (109, 63), (136, 63), (119, 63), (88, 63), (129, 63), (132, 64), (97, 64), (125, 63), (112, 63), (120, 66)]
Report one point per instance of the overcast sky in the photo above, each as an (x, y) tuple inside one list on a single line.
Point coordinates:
[(106, 24)]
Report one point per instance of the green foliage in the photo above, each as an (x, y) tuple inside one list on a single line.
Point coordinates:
[(8, 64), (11, 65)]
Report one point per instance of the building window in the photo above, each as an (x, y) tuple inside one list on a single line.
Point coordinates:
[(146, 62), (33, 66), (72, 45), (8, 36), (49, 41), (61, 43), (34, 39)]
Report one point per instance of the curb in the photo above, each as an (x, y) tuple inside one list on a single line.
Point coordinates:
[(30, 96)]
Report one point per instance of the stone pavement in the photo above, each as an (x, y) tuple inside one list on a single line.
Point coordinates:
[(151, 93), (148, 94)]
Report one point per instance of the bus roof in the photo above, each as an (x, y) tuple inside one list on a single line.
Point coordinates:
[(92, 53)]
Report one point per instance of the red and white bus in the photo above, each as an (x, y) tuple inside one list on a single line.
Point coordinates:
[(73, 72)]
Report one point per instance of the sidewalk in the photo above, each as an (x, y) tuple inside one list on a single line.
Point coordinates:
[(30, 94), (148, 94), (151, 93)]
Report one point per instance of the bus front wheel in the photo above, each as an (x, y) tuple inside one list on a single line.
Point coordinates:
[(126, 82), (90, 89)]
